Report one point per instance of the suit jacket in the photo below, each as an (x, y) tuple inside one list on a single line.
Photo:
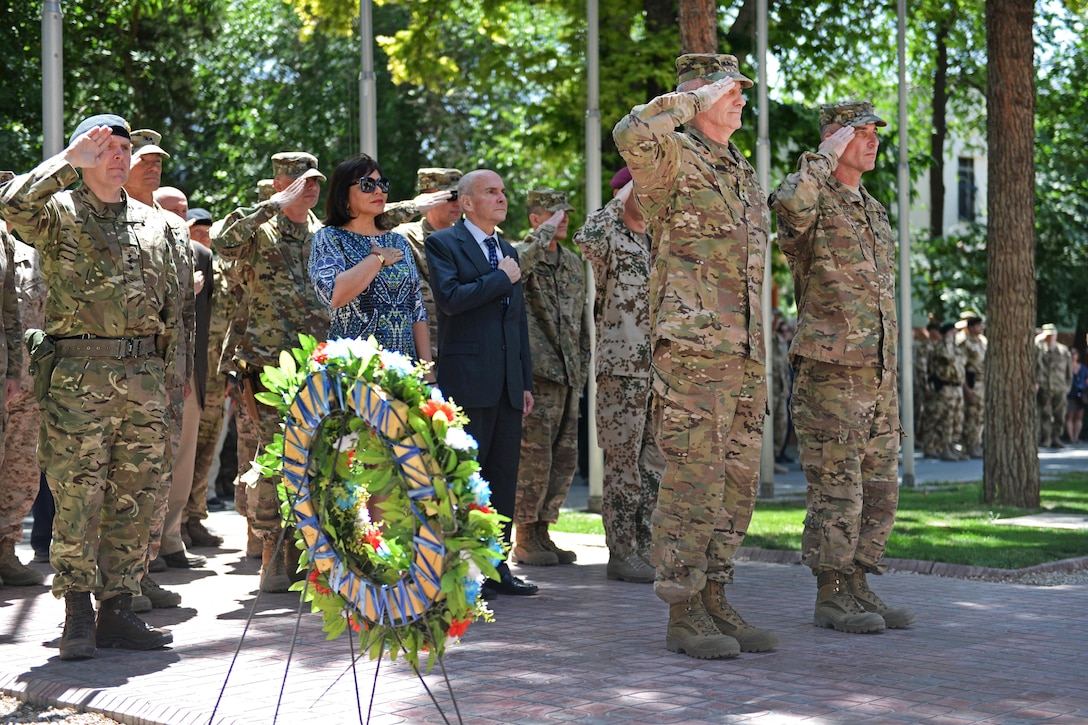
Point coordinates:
[(482, 352), (202, 262)]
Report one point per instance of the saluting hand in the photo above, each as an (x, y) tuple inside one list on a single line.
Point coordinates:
[(837, 142), (89, 150), (431, 199), (289, 195), (718, 88)]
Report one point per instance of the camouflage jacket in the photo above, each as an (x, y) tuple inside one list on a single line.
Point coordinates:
[(621, 273), (946, 364), (922, 351), (840, 248), (555, 302), (183, 261), (30, 289), (109, 268), (270, 254), (708, 220), (1053, 367), (12, 347), (396, 214), (416, 233), (974, 353)]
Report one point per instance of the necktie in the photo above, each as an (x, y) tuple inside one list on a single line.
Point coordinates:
[(493, 260)]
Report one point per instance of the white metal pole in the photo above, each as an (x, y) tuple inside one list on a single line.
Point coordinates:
[(52, 79), (368, 101), (906, 311), (593, 202)]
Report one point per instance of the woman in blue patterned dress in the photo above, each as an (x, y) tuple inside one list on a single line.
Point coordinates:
[(367, 277)]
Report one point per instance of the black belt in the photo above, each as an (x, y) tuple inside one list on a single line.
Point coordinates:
[(115, 347)]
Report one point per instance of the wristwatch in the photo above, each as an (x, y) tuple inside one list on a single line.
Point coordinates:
[(379, 255)]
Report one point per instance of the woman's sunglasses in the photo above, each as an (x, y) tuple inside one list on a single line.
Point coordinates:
[(367, 184)]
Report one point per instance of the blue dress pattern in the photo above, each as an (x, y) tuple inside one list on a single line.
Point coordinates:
[(388, 308)]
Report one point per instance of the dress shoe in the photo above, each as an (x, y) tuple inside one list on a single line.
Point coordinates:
[(508, 584), (183, 560)]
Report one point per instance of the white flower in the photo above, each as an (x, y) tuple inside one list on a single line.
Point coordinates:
[(347, 443), (458, 439), (436, 395), (396, 361)]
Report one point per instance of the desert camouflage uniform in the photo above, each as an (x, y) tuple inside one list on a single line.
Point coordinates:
[(974, 393), (11, 362), (780, 389), (922, 392), (110, 274), (19, 483), (1054, 374), (416, 233), (947, 373), (270, 254), (633, 463), (845, 401), (708, 219), (554, 284)]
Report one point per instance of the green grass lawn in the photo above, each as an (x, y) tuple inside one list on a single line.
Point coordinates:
[(947, 523)]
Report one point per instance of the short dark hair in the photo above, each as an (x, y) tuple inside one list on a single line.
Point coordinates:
[(337, 213)]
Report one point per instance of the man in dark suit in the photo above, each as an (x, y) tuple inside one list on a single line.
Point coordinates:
[(483, 336)]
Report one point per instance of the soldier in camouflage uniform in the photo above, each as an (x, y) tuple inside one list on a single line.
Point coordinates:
[(112, 325), (973, 344), (615, 242), (1053, 375), (931, 425), (554, 282), (270, 246), (708, 221), (442, 216), (947, 372), (840, 248), (780, 389)]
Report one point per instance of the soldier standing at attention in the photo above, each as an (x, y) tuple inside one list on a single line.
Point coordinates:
[(1053, 375), (973, 344), (947, 371), (270, 246), (841, 251), (708, 221), (112, 324), (554, 281), (932, 440), (615, 242)]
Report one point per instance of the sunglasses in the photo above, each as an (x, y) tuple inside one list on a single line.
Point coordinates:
[(367, 185)]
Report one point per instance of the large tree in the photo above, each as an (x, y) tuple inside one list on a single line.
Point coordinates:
[(1011, 466)]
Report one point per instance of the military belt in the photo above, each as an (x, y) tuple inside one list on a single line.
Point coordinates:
[(115, 347)]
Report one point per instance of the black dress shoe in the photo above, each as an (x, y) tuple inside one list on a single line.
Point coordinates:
[(183, 560), (507, 584)]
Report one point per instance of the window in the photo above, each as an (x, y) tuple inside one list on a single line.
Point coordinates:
[(967, 189)]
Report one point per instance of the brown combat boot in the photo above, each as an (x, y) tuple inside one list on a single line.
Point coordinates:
[(77, 641), (545, 539), (529, 550), (160, 598), (894, 618), (119, 627), (199, 536), (691, 631), (12, 571), (836, 607), (729, 622), (274, 577)]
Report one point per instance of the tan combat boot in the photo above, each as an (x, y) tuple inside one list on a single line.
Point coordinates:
[(12, 571), (274, 579), (528, 549), (897, 618), (118, 626), (836, 607), (77, 641), (544, 538), (729, 622), (691, 631)]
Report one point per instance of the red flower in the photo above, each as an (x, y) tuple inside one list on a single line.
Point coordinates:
[(318, 587), (318, 355), (431, 407), (374, 538), (478, 507), (458, 627), (351, 456), (354, 623)]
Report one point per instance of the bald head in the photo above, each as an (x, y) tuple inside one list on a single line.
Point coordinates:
[(172, 199)]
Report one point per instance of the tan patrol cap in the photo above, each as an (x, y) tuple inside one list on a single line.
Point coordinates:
[(549, 199), (146, 141), (296, 165), (850, 113), (437, 179), (711, 66)]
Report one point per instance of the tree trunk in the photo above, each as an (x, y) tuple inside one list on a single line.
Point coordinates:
[(1011, 466), (698, 26), (940, 132)]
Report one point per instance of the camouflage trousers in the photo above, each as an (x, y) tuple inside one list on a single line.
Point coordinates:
[(948, 414), (707, 411), (261, 502), (102, 445), (19, 482), (212, 418), (549, 453), (781, 417), (974, 408), (931, 439), (174, 415), (1051, 415), (633, 463), (847, 423)]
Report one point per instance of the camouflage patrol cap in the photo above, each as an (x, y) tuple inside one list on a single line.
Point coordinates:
[(146, 141), (296, 165), (118, 125), (265, 189), (6, 176), (549, 199), (849, 113), (437, 179), (711, 66)]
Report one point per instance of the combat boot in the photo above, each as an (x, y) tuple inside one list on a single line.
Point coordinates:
[(77, 641), (12, 571), (200, 536), (253, 543), (630, 568), (545, 540), (691, 631), (274, 579), (119, 627), (528, 550), (729, 622), (897, 618), (836, 607), (160, 598), (948, 454)]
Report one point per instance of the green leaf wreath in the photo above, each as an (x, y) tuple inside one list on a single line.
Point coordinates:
[(378, 475)]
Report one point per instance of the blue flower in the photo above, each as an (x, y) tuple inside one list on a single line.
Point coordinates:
[(495, 548), (472, 590), (480, 489)]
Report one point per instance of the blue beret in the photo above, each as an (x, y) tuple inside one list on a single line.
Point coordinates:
[(119, 125)]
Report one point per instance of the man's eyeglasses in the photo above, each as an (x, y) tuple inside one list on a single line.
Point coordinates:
[(368, 184)]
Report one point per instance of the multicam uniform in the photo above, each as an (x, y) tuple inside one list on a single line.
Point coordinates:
[(1054, 374), (707, 217), (555, 292), (110, 274), (845, 404), (23, 306), (974, 393), (633, 463), (947, 375)]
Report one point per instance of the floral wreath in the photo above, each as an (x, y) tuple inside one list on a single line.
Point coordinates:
[(382, 484)]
